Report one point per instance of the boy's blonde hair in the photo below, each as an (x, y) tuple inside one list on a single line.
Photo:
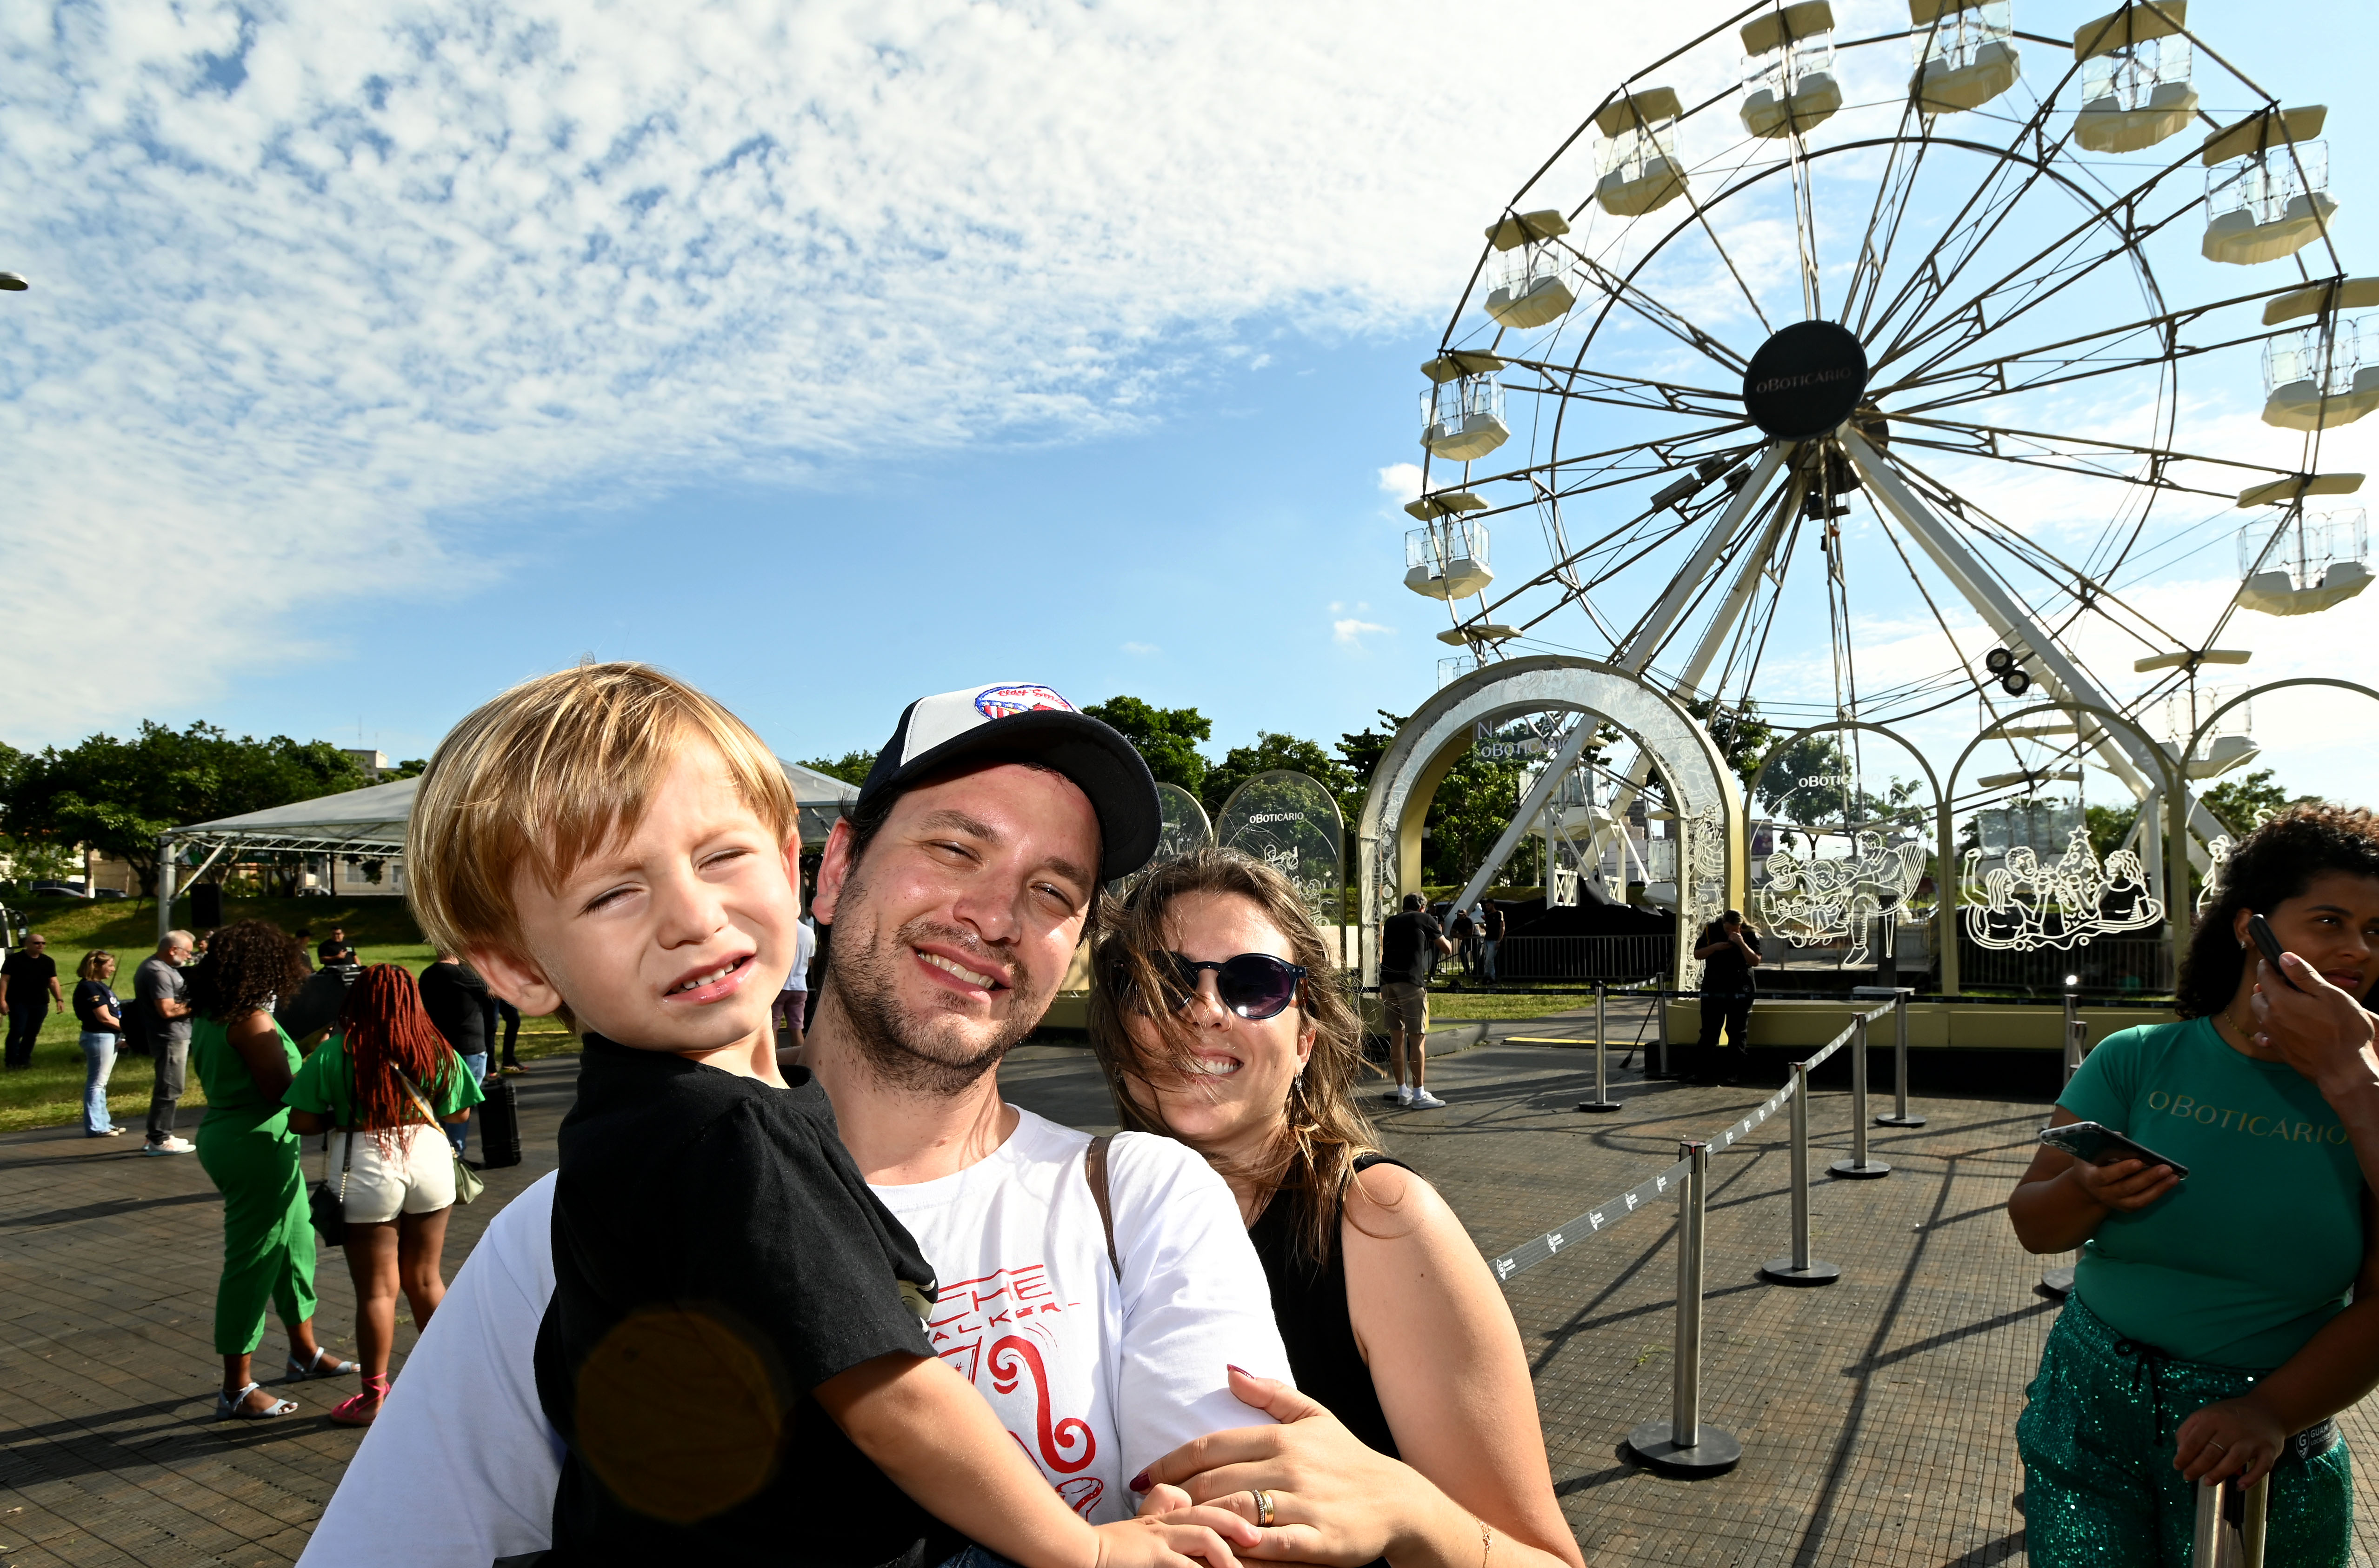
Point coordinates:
[(549, 772)]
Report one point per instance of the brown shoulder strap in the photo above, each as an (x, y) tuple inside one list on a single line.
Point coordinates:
[(1095, 1170)]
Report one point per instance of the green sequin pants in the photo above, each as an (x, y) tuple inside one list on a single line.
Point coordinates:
[(2100, 1489), (268, 1233)]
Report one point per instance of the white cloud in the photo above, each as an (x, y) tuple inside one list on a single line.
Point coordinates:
[(1350, 633), (1141, 650), (1400, 481), (323, 286)]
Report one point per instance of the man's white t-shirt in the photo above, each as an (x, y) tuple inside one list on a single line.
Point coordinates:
[(1094, 1377)]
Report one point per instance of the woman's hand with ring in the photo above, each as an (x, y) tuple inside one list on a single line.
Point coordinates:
[(1334, 1499), (2235, 1438)]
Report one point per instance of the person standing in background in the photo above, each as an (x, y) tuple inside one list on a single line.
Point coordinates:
[(1410, 941), (793, 1001), (315, 1006), (1493, 926), (456, 1000), (509, 1015), (101, 1016), (1729, 950), (160, 996), (1463, 931), (31, 986)]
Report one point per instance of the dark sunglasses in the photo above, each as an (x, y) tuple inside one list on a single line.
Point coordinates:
[(1254, 985)]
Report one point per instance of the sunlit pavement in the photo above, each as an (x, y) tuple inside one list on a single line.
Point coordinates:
[(1877, 1415)]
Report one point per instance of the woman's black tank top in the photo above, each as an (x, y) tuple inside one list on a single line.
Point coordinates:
[(1309, 1300)]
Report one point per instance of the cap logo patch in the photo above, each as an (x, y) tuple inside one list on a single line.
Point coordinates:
[(1001, 702)]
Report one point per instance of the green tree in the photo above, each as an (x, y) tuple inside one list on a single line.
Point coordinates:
[(118, 795), (1276, 751), (411, 767), (1167, 739), (1742, 737), (1473, 805), (851, 767), (2243, 804), (2110, 825), (1807, 770)]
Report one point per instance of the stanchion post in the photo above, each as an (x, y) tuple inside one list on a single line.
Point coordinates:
[(1900, 1117), (2058, 1282), (1602, 1100), (2230, 1529), (1797, 1267), (1858, 1165), (1659, 1067), (1682, 1445)]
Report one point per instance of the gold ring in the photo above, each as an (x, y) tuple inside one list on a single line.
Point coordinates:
[(1264, 1508)]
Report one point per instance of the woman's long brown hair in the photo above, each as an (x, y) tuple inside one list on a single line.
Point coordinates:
[(1322, 1132), (386, 1031)]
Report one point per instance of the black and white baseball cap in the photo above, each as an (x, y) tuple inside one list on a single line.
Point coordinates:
[(1018, 721)]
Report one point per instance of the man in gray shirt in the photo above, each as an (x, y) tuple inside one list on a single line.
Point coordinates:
[(161, 994)]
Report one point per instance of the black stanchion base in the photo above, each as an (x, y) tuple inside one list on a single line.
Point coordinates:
[(1716, 1453), (2057, 1282), (1780, 1271), (1911, 1119), (1600, 1105), (1858, 1172)]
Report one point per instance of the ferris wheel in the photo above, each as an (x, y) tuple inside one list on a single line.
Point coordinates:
[(1796, 323)]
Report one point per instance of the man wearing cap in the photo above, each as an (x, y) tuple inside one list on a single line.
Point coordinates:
[(1094, 1294)]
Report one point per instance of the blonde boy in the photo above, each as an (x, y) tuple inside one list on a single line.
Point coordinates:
[(733, 1353)]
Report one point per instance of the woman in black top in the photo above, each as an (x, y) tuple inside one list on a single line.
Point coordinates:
[(1412, 1434), (102, 1017)]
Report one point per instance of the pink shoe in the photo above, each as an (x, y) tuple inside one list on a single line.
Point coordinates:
[(364, 1408)]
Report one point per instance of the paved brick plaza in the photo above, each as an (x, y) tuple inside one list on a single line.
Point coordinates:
[(1877, 1415)]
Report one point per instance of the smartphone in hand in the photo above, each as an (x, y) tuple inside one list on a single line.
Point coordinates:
[(2260, 930), (2097, 1145)]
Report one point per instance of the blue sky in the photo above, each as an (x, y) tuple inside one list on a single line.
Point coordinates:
[(829, 354)]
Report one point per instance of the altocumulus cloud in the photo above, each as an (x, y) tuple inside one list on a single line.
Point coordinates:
[(326, 288)]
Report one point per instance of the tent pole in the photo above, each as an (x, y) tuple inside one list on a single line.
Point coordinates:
[(164, 885)]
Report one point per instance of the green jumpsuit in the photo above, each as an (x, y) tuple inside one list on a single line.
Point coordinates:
[(247, 1148)]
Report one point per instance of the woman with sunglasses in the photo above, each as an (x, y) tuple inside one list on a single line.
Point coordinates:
[(1412, 1435)]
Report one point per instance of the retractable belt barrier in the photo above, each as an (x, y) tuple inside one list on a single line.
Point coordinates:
[(1682, 1444), (1537, 1249)]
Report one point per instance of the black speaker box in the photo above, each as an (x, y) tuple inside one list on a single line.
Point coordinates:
[(206, 904)]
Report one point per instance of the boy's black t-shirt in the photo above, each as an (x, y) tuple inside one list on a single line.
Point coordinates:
[(715, 1257)]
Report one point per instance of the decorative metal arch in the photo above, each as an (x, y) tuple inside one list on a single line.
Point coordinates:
[(2178, 802), (2207, 728), (1425, 749), (1944, 912)]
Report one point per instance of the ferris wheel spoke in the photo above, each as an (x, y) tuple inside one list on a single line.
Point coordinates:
[(2080, 357), (1983, 439), (1891, 196), (1963, 237), (1626, 291)]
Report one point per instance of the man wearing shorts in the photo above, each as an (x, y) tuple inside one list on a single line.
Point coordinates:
[(1409, 943)]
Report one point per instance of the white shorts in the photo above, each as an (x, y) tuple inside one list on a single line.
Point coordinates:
[(419, 1179)]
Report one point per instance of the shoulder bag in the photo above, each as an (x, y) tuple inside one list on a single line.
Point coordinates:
[(328, 1204), (467, 1184)]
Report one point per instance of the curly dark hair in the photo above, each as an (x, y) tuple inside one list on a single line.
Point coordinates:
[(2274, 863), (247, 964)]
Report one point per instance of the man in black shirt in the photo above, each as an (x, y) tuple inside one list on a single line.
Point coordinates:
[(456, 1000), (32, 986), (1493, 926), (1729, 950), (315, 1006), (1409, 942)]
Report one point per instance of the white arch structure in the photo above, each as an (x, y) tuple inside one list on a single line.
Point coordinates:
[(1388, 840)]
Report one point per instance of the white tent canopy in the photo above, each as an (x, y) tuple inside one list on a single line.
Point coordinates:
[(369, 823)]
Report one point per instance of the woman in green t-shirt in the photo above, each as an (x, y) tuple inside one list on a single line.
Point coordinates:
[(2219, 1323), (244, 1061), (381, 1080)]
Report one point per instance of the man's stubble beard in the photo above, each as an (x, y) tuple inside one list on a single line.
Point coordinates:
[(916, 1052)]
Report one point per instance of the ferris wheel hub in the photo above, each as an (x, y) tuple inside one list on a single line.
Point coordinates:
[(1805, 380)]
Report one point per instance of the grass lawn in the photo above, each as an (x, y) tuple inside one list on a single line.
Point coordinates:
[(49, 1092), (1503, 1005)]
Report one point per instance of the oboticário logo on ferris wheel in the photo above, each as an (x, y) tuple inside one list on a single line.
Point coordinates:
[(1804, 381)]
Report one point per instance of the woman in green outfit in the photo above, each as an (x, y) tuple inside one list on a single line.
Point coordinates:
[(244, 1062), (386, 1080), (2219, 1323)]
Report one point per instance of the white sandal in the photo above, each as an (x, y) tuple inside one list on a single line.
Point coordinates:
[(234, 1406), (302, 1371)]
